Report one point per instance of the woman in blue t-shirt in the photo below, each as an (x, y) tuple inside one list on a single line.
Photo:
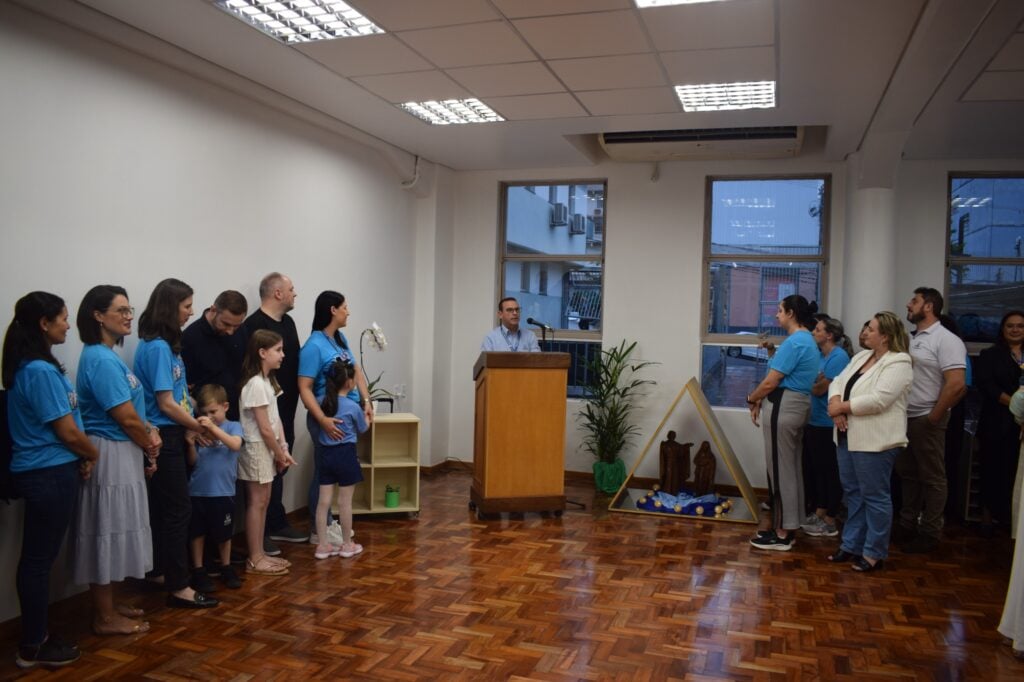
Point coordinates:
[(50, 451), (161, 371), (325, 345), (110, 537), (786, 393)]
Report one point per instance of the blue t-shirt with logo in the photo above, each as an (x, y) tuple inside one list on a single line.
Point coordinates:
[(353, 422), (41, 395), (216, 467), (159, 369), (797, 360), (317, 355), (830, 366), (104, 382)]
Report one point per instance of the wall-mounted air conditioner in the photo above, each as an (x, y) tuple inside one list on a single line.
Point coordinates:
[(578, 224), (704, 144), (559, 214)]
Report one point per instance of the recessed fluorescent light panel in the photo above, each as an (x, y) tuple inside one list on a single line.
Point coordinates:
[(452, 111), (664, 3), (301, 21), (726, 96)]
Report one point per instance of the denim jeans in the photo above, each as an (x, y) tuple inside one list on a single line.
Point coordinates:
[(314, 483), (866, 480), (50, 495)]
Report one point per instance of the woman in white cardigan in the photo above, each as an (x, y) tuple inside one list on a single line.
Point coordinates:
[(868, 404), (1012, 624)]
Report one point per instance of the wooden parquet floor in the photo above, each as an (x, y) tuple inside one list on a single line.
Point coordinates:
[(589, 596)]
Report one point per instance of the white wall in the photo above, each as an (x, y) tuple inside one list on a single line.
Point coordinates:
[(118, 170)]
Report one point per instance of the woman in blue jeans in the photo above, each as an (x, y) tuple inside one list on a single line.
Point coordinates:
[(325, 345), (50, 452), (868, 405)]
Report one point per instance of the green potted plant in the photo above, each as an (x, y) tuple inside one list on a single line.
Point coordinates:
[(391, 495), (606, 417)]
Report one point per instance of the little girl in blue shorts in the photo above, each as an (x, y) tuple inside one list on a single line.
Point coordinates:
[(340, 464)]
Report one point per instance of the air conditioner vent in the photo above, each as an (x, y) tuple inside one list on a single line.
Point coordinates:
[(704, 143)]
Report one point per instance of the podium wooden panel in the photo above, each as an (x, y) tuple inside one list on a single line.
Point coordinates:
[(519, 432)]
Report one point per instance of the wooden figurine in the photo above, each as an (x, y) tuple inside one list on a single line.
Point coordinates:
[(675, 464), (704, 470)]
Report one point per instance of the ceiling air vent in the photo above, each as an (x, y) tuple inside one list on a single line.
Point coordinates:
[(704, 144)]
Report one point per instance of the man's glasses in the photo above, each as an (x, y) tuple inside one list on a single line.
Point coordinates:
[(512, 310)]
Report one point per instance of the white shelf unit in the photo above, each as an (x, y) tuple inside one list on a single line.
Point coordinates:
[(389, 454)]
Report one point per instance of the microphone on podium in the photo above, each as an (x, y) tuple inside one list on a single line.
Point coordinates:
[(537, 323)]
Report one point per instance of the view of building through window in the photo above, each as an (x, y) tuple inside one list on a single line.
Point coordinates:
[(765, 239), (986, 264)]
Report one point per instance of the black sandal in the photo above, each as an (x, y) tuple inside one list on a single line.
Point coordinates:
[(842, 556), (862, 565)]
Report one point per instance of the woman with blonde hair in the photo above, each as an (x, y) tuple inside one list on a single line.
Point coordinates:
[(868, 405)]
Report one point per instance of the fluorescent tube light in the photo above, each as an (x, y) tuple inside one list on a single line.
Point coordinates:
[(452, 111), (301, 21), (726, 96)]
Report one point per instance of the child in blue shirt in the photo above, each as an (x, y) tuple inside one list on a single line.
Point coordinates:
[(340, 465), (212, 486)]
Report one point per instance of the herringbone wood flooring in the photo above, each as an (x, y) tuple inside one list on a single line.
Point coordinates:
[(589, 596)]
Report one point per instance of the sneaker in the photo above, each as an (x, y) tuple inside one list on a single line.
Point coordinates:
[(212, 568), (773, 542), (811, 520), (230, 578), (288, 534), (200, 581), (350, 550), (327, 552), (334, 534), (50, 654), (314, 539), (269, 548), (765, 506), (819, 527)]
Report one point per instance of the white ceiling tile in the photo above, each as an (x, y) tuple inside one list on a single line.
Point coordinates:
[(996, 86), (720, 66), (585, 35), (517, 9), (507, 79), (633, 101), (1011, 57), (403, 15), (413, 87), (364, 56), (469, 45), (740, 23), (559, 105), (606, 73)]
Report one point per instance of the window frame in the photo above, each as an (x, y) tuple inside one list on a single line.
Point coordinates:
[(709, 259), (503, 257), (951, 260)]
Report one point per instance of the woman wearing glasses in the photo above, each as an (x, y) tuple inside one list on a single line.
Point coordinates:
[(110, 538)]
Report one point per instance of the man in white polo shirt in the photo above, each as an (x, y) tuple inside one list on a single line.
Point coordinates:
[(939, 369)]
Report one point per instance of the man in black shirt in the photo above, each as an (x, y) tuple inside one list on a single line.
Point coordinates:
[(213, 346), (277, 297)]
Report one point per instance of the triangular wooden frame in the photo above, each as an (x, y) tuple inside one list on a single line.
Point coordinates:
[(723, 449)]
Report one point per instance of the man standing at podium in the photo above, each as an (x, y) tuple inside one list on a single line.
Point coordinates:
[(507, 336)]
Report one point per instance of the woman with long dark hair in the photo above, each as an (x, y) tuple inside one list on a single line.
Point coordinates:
[(110, 538), (325, 345), (50, 452), (999, 371), (161, 371), (787, 392)]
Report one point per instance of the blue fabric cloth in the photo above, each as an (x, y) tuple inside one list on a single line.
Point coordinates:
[(216, 467), (501, 339), (797, 360), (353, 422), (340, 465), (830, 366), (104, 382), (866, 478), (50, 494), (317, 354), (159, 369), (41, 394)]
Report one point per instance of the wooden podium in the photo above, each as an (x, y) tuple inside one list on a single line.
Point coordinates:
[(519, 433)]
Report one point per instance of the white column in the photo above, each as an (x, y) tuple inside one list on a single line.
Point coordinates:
[(869, 273)]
